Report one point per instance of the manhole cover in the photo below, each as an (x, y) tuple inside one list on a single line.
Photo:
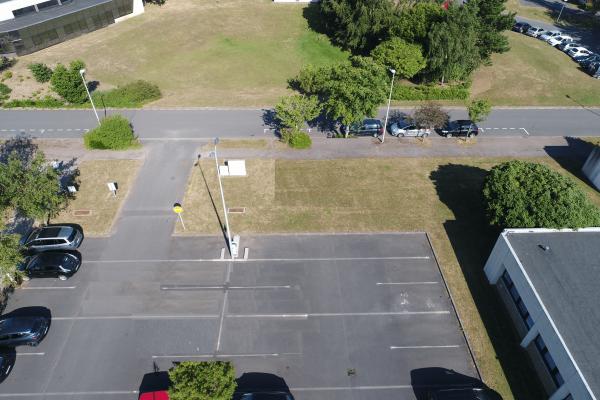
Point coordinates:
[(237, 210), (82, 213)]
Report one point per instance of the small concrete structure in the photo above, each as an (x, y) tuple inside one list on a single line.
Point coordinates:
[(591, 168), (548, 281), (233, 168)]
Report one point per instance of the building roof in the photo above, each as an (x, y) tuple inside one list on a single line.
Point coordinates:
[(564, 269), (48, 14)]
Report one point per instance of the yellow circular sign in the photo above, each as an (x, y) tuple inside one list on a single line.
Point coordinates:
[(177, 209)]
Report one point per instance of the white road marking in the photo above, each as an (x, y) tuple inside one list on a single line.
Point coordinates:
[(525, 130), (505, 129), (407, 283), (200, 260), (47, 287), (108, 317), (224, 308), (228, 355), (355, 314), (332, 388), (220, 287), (62, 394), (452, 346), (31, 354)]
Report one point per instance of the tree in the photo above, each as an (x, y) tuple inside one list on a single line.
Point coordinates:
[(430, 115), (40, 71), (357, 25), (493, 20), (10, 257), (414, 22), (293, 111), (452, 51), (406, 58), (204, 380), (519, 194), (68, 84), (479, 110), (113, 133), (31, 188)]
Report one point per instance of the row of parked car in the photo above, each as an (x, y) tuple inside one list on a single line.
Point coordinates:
[(50, 252), (406, 127), (587, 59)]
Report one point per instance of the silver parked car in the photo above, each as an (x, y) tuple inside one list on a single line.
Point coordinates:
[(407, 128), (534, 31), (54, 237)]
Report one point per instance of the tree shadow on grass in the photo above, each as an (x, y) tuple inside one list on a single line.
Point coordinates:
[(472, 239), (572, 156), (312, 15)]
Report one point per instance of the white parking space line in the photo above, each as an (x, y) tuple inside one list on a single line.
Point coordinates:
[(221, 287), (30, 354), (406, 283), (139, 317), (47, 287), (227, 355), (355, 314), (333, 388), (201, 260), (62, 394), (506, 129), (451, 346)]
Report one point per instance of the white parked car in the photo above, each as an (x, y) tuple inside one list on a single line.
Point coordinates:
[(568, 46), (404, 127), (578, 52), (557, 40), (548, 35), (534, 31)]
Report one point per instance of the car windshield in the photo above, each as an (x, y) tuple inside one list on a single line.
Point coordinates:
[(72, 235)]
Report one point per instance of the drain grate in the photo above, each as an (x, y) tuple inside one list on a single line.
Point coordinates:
[(236, 210), (82, 213)]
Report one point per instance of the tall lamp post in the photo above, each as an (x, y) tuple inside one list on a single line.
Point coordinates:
[(231, 252), (387, 113), (81, 72)]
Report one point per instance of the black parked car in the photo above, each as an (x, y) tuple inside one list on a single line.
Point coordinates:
[(51, 264), (521, 27), (7, 361), (461, 127), (464, 394), (18, 331), (368, 127), (267, 396)]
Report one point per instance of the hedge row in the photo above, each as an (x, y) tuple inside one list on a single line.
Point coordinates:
[(49, 102), (430, 92)]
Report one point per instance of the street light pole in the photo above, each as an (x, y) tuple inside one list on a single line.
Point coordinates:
[(560, 13), (216, 141), (387, 113), (81, 72)]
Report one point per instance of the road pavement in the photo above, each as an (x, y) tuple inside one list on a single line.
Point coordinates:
[(238, 123)]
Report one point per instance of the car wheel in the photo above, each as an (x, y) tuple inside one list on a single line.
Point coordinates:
[(62, 277)]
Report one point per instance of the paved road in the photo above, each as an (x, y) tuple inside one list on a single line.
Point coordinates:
[(178, 124)]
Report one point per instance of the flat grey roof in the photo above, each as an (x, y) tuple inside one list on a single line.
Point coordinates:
[(48, 14), (567, 277)]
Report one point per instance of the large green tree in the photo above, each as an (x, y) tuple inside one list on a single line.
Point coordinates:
[(67, 82), (519, 194), (204, 380), (452, 50), (406, 58), (10, 257), (293, 111), (357, 25), (31, 187), (493, 20), (414, 21)]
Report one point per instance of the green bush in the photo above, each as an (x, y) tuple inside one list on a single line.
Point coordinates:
[(68, 84), (202, 380), (7, 75), (134, 94), (46, 102), (6, 62), (4, 92), (300, 140), (113, 133), (40, 71), (431, 92), (520, 194)]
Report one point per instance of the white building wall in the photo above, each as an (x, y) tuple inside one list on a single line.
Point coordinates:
[(503, 258)]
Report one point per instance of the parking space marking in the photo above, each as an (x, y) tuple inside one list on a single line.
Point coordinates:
[(333, 388), (201, 260), (506, 129), (221, 287), (30, 354), (228, 355), (355, 314), (451, 346), (406, 283), (47, 287), (62, 394), (140, 317), (224, 308)]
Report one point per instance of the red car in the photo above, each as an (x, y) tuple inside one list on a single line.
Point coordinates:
[(160, 395)]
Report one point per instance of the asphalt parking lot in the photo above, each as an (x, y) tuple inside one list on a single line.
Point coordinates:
[(328, 316)]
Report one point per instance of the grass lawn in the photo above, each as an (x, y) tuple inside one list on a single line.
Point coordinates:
[(534, 73), (202, 53), (93, 194), (440, 196)]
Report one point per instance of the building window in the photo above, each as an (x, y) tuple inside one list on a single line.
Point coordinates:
[(514, 294), (549, 361), (47, 4), (569, 397), (24, 11), (76, 26), (47, 36)]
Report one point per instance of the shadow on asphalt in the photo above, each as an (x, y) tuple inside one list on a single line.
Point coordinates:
[(572, 156), (261, 382), (472, 238), (212, 201), (155, 382), (424, 380), (8, 357)]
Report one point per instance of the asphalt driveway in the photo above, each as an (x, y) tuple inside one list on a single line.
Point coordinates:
[(328, 316)]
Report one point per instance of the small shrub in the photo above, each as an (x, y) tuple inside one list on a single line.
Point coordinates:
[(46, 102), (301, 140), (41, 72), (431, 92), (6, 62), (7, 75), (4, 92), (68, 83), (113, 133), (134, 94)]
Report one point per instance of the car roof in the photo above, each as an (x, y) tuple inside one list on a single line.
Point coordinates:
[(52, 257), (54, 232), (371, 121), (16, 324), (160, 395)]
